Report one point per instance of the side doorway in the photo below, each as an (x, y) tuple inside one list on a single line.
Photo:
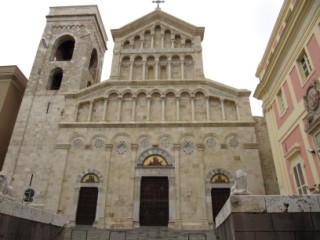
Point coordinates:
[(87, 206), (219, 196)]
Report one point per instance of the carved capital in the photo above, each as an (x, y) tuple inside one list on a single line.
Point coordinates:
[(62, 146), (200, 146), (109, 147), (176, 147)]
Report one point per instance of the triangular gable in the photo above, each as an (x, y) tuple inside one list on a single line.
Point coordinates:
[(158, 15)]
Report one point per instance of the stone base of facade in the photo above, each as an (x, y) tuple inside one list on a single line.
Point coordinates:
[(269, 217), (26, 222)]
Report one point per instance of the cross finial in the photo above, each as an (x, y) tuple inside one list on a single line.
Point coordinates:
[(158, 2)]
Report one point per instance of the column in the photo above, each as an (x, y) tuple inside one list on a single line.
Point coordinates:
[(222, 109), (148, 108), (130, 214), (209, 207), (119, 109), (177, 109), (131, 70), (106, 173), (152, 40), (102, 189), (172, 42), (169, 69), (208, 108), (182, 69), (176, 148), (238, 112), (162, 40), (105, 105), (90, 111), (192, 109), (144, 69), (133, 116), (202, 186), (156, 75), (136, 201), (163, 108), (141, 43)]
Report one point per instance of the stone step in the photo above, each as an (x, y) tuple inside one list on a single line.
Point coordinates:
[(142, 233)]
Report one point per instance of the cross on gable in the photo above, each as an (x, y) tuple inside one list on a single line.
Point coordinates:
[(158, 2)]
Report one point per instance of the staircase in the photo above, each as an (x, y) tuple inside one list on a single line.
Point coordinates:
[(142, 233)]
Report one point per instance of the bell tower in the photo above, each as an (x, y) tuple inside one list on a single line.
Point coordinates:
[(69, 59), (71, 50)]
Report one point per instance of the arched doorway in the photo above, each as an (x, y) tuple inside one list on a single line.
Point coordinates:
[(154, 201), (219, 194), (87, 201), (87, 205)]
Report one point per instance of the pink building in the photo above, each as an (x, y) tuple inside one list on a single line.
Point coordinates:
[(289, 88)]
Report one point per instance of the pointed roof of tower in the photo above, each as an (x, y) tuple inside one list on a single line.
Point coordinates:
[(158, 15)]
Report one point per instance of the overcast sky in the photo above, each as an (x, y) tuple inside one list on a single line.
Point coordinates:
[(236, 32)]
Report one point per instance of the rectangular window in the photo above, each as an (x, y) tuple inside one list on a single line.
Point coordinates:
[(281, 101), (304, 65), (301, 185)]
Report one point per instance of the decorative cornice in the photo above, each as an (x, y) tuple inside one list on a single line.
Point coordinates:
[(160, 50), (154, 124), (295, 149)]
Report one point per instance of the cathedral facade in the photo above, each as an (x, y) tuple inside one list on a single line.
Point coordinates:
[(157, 144)]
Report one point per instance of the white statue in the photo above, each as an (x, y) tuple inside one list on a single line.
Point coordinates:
[(5, 189), (240, 184)]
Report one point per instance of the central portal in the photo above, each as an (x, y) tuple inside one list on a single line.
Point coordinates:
[(154, 201)]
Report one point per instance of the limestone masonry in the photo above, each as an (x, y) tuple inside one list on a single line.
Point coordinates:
[(156, 144)]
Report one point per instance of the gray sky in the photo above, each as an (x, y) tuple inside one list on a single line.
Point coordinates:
[(236, 32)]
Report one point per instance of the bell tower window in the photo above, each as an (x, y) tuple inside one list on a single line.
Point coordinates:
[(56, 78), (93, 65), (64, 49)]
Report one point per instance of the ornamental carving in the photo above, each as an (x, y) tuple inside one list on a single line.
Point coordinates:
[(144, 142), (188, 147), (122, 147), (165, 142), (211, 143), (311, 104), (233, 142)]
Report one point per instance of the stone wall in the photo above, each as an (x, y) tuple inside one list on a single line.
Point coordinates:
[(269, 217), (266, 158), (24, 222)]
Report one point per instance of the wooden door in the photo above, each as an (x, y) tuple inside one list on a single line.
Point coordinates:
[(154, 201), (87, 205)]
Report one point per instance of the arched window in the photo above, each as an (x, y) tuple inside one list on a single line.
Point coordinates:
[(56, 78), (126, 45), (93, 65), (136, 42), (188, 43), (64, 48), (177, 41)]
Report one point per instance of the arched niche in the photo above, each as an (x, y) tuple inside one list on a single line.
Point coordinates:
[(63, 48)]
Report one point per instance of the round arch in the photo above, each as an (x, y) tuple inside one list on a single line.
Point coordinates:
[(155, 151)]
